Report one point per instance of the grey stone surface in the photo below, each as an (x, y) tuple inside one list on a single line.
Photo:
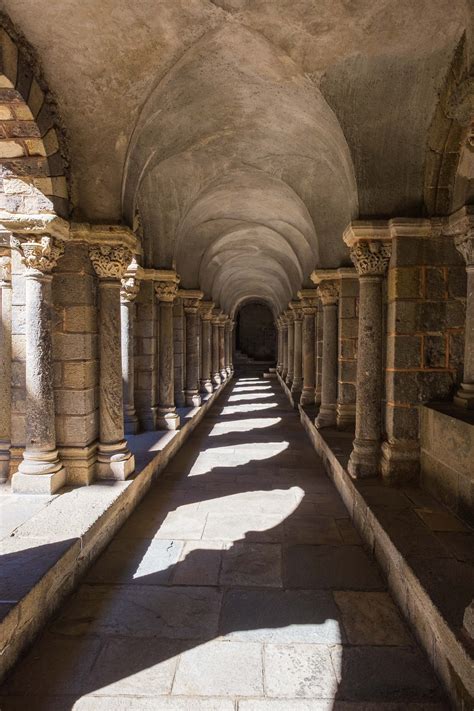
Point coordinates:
[(371, 618), (299, 670), (252, 564), (329, 567)]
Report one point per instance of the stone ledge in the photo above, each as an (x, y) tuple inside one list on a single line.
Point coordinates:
[(445, 646), (45, 557), (286, 390)]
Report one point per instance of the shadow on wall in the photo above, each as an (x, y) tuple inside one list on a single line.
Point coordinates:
[(256, 333), (268, 566)]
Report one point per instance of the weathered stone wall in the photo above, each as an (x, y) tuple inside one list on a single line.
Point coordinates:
[(75, 363)]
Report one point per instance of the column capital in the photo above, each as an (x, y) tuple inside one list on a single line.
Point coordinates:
[(110, 261), (328, 291), (205, 309), (40, 253), (215, 315), (166, 291), (295, 306), (229, 324), (190, 299), (309, 301), (319, 275), (223, 318), (130, 286), (371, 257), (460, 226)]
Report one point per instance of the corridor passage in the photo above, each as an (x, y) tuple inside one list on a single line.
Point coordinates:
[(239, 584)]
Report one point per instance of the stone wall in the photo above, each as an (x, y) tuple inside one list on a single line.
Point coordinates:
[(257, 332)]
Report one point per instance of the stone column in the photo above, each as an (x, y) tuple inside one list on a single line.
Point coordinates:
[(128, 294), (114, 460), (309, 305), (206, 346), (297, 383), (166, 291), (40, 471), (465, 245), (279, 345), (291, 347), (318, 352), (191, 306), (228, 346), (371, 260), (284, 345), (5, 365), (222, 365), (216, 376), (348, 325), (328, 292)]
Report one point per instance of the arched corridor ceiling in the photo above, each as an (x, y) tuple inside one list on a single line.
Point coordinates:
[(247, 134)]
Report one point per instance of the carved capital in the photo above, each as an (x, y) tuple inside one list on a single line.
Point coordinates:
[(130, 286), (465, 246), (39, 253), (205, 309), (328, 291), (309, 306), (166, 290), (5, 271), (110, 261), (371, 257)]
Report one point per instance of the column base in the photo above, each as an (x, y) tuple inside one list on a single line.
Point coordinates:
[(400, 461), (4, 462), (345, 415), (223, 374), (39, 473), (130, 423), (465, 396), (192, 398), (284, 375), (326, 417), (365, 459), (289, 380), (168, 419), (228, 370), (114, 461), (206, 386), (216, 380), (307, 396)]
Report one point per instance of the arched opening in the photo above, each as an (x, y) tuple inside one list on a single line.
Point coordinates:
[(256, 332)]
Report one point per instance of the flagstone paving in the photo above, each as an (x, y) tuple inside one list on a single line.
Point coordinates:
[(238, 584)]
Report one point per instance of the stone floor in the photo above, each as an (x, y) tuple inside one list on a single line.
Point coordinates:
[(238, 583)]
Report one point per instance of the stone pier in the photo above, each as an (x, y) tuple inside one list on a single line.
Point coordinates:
[(128, 294), (166, 289), (191, 301)]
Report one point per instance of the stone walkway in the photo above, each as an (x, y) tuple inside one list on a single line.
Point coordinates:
[(239, 584)]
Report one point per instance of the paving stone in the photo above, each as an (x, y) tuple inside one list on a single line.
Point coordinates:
[(141, 611), (371, 618), (348, 532), (137, 561), (199, 564), (281, 616), (253, 527), (312, 529), (236, 670), (299, 670), (252, 564), (329, 567), (441, 521)]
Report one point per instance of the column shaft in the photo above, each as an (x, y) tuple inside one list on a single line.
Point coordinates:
[(206, 347), (327, 411), (222, 365), (127, 320), (465, 245), (297, 383), (216, 376), (193, 399), (284, 343), (167, 419), (291, 350), (309, 369), (5, 366)]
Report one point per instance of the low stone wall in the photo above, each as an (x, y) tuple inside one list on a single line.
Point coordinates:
[(446, 447), (44, 558)]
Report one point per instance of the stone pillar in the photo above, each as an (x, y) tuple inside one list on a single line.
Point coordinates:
[(206, 346), (279, 346), (191, 306), (128, 294), (228, 346), (216, 376), (371, 260), (179, 353), (222, 365), (318, 352), (166, 291), (40, 471), (297, 384), (291, 347), (309, 306), (114, 460), (347, 348), (465, 245), (284, 345), (5, 365), (328, 292)]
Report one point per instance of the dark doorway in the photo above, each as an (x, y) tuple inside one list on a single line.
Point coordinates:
[(256, 333)]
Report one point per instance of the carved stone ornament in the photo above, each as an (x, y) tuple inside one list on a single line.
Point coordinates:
[(39, 253), (166, 290), (371, 257), (309, 306), (465, 246), (191, 305), (129, 289), (205, 309), (328, 292), (5, 271), (110, 261)]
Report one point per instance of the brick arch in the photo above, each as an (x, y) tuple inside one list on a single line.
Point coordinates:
[(33, 161)]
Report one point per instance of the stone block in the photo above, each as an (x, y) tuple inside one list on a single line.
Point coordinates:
[(456, 314), (435, 283), (299, 670), (348, 371), (75, 402), (402, 386), (75, 431), (69, 291), (401, 422), (402, 317), (18, 374), (18, 319), (18, 347), (435, 385), (11, 149), (404, 283), (371, 618), (71, 346), (434, 352), (432, 316), (404, 351), (80, 375), (347, 308), (80, 319), (348, 348), (457, 282)]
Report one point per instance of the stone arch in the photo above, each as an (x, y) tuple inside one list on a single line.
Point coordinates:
[(33, 156)]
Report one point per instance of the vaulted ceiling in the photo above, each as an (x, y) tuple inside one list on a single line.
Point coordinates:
[(246, 133)]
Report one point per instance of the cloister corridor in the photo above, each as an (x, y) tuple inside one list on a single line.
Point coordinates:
[(239, 583)]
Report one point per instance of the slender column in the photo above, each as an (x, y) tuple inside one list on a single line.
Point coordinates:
[(371, 260), (309, 304), (41, 471), (166, 292), (228, 346), (284, 345), (128, 294), (222, 365), (114, 460), (290, 347), (297, 384), (216, 376), (5, 365), (279, 346), (191, 307), (328, 293), (465, 245), (206, 373), (318, 352)]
